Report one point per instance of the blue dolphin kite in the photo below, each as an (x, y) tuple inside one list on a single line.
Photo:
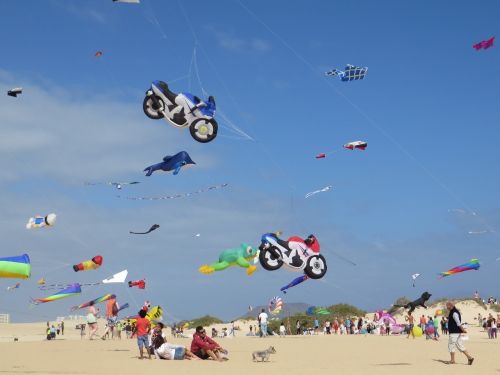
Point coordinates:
[(171, 163)]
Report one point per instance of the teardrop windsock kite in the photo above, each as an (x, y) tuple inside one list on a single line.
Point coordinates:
[(72, 290), (17, 267), (95, 301), (92, 264), (472, 264)]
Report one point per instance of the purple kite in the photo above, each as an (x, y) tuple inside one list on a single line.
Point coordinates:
[(484, 44)]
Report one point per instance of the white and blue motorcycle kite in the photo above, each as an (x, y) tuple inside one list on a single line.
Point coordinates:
[(182, 110)]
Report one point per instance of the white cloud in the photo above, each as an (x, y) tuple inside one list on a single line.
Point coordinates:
[(55, 133), (235, 43)]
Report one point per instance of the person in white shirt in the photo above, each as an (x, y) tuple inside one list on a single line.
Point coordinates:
[(164, 350), (282, 330), (263, 323)]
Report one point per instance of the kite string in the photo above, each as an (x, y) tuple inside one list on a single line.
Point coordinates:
[(361, 112)]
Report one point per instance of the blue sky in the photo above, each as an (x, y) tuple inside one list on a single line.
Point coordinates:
[(428, 110)]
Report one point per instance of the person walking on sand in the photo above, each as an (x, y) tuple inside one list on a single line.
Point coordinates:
[(411, 323), (92, 320), (456, 330)]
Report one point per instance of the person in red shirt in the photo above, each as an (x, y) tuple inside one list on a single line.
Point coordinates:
[(142, 328), (204, 347)]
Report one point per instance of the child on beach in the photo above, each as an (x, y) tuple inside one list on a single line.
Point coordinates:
[(142, 328), (282, 330), (82, 331)]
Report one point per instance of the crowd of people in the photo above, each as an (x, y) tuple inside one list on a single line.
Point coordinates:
[(53, 331)]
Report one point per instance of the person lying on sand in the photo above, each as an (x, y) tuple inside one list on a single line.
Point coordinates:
[(164, 350)]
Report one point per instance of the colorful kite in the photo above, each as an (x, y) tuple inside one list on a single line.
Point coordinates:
[(95, 301), (41, 221), (71, 291), (360, 145), (117, 185), (182, 195), (239, 256), (93, 264), (141, 284), (17, 267), (484, 44), (153, 227), (15, 92), (123, 307), (294, 282), (41, 281), (326, 188), (16, 286), (350, 73), (171, 163), (317, 311), (98, 54), (472, 264), (320, 156), (275, 305)]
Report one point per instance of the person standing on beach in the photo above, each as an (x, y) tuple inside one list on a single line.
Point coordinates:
[(142, 328), (436, 327), (411, 323), (62, 328), (456, 330), (263, 323)]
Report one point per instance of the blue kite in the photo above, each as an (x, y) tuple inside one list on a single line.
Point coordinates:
[(171, 163), (294, 282), (350, 73)]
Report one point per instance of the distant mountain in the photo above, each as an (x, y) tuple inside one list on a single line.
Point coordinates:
[(288, 310)]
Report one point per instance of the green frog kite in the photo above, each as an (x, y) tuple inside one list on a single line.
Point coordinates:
[(233, 257)]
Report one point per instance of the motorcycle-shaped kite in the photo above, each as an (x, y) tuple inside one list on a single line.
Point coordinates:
[(182, 110), (296, 254)]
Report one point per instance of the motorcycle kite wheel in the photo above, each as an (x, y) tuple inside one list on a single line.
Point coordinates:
[(269, 261), (203, 130), (316, 266), (151, 108)]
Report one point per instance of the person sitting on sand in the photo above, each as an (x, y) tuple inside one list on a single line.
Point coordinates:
[(204, 347), (155, 332), (164, 350)]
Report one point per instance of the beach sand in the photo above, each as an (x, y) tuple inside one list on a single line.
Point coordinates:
[(344, 355)]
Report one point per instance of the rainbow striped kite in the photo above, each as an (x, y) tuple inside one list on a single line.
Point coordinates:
[(472, 264), (73, 290), (97, 300), (15, 267)]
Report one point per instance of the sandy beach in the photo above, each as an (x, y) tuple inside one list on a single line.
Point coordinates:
[(354, 354)]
